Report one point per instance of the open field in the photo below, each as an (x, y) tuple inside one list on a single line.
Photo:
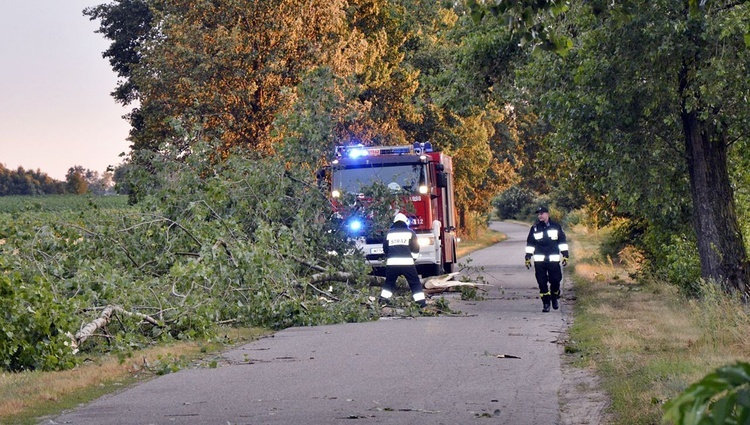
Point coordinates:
[(60, 203)]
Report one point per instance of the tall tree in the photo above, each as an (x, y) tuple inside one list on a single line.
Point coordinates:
[(646, 107), (459, 71), (76, 180), (292, 73), (128, 24), (714, 113), (226, 66)]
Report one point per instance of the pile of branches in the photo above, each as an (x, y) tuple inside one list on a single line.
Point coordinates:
[(245, 242)]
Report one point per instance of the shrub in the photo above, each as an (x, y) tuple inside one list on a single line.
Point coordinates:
[(514, 203), (32, 324), (681, 265)]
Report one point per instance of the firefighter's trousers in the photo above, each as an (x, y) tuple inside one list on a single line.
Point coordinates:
[(548, 272), (410, 273)]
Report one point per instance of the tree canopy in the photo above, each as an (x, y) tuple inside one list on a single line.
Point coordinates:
[(285, 75), (646, 107), (29, 182), (637, 108)]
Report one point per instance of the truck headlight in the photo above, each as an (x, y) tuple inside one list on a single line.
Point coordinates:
[(426, 241)]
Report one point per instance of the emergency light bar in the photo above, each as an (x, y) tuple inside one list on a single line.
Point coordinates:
[(358, 151)]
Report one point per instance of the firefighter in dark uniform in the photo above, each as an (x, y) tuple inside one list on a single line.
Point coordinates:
[(547, 245), (401, 248)]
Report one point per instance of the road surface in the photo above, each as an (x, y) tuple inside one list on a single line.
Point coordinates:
[(425, 370)]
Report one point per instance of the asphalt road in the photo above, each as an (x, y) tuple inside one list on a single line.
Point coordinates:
[(426, 370)]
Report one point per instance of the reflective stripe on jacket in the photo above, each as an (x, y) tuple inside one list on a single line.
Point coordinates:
[(546, 242), (401, 246)]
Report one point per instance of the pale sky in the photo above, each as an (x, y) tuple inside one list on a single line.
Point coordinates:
[(55, 107)]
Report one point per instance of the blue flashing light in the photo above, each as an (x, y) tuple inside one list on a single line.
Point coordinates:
[(360, 151), (420, 148), (355, 225), (357, 153)]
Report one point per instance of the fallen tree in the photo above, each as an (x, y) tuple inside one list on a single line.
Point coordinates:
[(104, 318)]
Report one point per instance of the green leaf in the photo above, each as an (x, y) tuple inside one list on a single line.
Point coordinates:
[(694, 8), (728, 385)]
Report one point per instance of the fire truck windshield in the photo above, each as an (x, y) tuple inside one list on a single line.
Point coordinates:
[(396, 177)]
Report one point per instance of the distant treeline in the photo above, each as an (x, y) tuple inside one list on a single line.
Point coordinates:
[(29, 182)]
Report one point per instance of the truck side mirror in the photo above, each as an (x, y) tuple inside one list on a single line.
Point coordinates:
[(442, 180)]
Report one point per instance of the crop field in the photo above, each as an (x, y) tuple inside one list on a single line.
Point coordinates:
[(60, 203)]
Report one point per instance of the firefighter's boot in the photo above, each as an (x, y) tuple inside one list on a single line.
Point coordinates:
[(545, 303), (555, 295)]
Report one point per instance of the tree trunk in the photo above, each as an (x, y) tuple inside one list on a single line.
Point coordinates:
[(720, 245), (462, 218)]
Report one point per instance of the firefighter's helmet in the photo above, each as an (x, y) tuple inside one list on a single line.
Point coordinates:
[(400, 217)]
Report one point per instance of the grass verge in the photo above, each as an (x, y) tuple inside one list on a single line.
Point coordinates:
[(25, 397), (644, 340)]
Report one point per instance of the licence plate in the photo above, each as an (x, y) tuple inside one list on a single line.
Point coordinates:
[(376, 250)]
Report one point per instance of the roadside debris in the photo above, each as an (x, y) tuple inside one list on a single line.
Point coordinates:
[(437, 284)]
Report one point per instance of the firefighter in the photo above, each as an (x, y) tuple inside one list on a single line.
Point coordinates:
[(547, 245), (401, 249)]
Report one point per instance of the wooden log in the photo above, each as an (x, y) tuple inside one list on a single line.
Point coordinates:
[(88, 330)]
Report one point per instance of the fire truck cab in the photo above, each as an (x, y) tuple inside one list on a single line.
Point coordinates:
[(423, 178)]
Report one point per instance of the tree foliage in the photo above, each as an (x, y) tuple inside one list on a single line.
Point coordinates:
[(128, 24), (267, 78), (78, 180), (75, 179), (463, 74), (721, 397), (28, 182), (244, 242), (645, 107)]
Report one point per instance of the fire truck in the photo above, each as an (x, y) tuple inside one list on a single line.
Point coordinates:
[(423, 181)]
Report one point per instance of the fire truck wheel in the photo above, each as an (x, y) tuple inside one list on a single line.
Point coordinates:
[(448, 267), (432, 270)]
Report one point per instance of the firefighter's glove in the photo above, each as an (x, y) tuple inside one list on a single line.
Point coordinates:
[(565, 261), (528, 263)]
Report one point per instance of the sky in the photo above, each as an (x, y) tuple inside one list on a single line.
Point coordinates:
[(56, 111)]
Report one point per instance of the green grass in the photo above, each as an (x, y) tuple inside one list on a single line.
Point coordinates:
[(27, 397), (646, 342)]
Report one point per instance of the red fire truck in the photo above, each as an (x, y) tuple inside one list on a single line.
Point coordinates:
[(421, 178)]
